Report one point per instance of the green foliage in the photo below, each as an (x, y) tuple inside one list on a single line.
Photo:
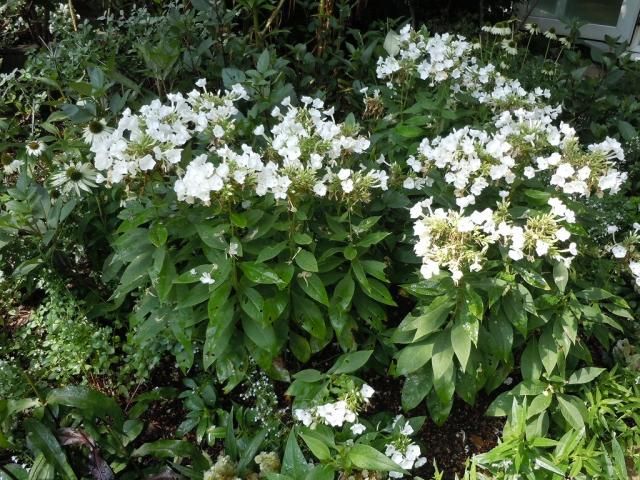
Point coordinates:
[(255, 312)]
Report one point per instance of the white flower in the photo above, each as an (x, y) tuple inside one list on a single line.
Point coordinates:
[(320, 189), (34, 148), (146, 163), (347, 185), (96, 132), (303, 416), (366, 391), (542, 247), (563, 234), (407, 429), (358, 429), (429, 269), (233, 248), (201, 83), (206, 279), (344, 173), (619, 251), (218, 131), (611, 229)]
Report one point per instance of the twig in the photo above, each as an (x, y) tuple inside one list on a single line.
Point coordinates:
[(272, 17), (72, 14)]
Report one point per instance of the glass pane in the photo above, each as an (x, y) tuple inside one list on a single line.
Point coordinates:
[(601, 12), (546, 8)]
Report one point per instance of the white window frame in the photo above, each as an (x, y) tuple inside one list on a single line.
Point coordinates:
[(629, 11)]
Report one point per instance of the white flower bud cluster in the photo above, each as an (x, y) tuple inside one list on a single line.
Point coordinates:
[(156, 134), (404, 452), (336, 414), (458, 242)]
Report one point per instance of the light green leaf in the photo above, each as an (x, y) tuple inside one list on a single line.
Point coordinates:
[(560, 275), (584, 375), (461, 344), (570, 412), (366, 457), (350, 362), (548, 350), (306, 260), (317, 447), (312, 285)]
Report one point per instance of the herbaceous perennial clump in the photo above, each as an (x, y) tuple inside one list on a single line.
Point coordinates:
[(485, 173), (524, 145)]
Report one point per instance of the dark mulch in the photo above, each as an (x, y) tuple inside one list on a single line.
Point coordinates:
[(466, 432)]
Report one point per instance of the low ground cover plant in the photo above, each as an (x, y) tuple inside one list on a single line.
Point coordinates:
[(216, 267)]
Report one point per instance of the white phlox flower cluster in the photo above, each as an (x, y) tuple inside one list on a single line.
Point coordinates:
[(445, 57), (458, 242), (471, 160), (312, 150), (336, 414), (306, 150), (156, 134), (403, 451)]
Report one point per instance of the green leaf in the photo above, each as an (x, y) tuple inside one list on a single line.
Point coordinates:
[(173, 449), (309, 316), (547, 465), (350, 252), (626, 130), (539, 404), (594, 294), (570, 412), (514, 310), (299, 347), (532, 278), (230, 441), (414, 356), (560, 275), (584, 375), (443, 368), (366, 457), (372, 238), (306, 260), (416, 387), (158, 234), (311, 284), (249, 451), (263, 61), (343, 293), (43, 440), (548, 350), (473, 303), (261, 274), (350, 362), (433, 317), (253, 304), (270, 251), (461, 343), (377, 290), (321, 472), (293, 461), (94, 403), (317, 447), (530, 364), (263, 336)]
